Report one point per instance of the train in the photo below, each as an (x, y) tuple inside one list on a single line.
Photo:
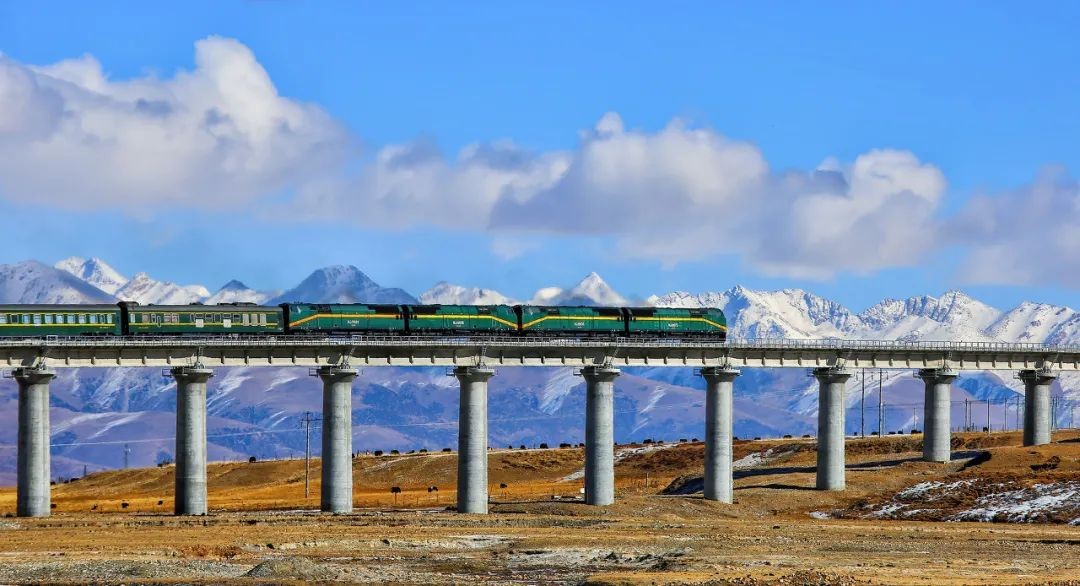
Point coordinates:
[(299, 319)]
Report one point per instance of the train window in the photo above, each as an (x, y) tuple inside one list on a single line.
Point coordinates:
[(236, 317), (246, 320), (82, 318), (59, 318), (25, 318), (93, 318), (262, 318), (37, 319), (3, 318), (48, 318), (108, 318)]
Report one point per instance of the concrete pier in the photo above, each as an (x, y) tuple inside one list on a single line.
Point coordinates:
[(599, 434), (1036, 406), (191, 439), (937, 413), (719, 385), (830, 440), (33, 495), (337, 473), (472, 471)]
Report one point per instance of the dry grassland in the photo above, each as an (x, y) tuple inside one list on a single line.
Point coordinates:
[(262, 529)]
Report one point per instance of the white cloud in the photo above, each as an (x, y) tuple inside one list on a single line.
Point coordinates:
[(688, 193), (682, 193), (1030, 236), (220, 135), (216, 135)]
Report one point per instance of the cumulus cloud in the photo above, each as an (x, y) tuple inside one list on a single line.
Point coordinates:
[(220, 135), (216, 135), (688, 193), (682, 193), (1029, 236)]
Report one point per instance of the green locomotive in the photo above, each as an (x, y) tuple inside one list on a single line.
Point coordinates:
[(461, 318), (343, 317)]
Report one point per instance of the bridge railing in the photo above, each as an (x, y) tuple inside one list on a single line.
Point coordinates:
[(241, 340)]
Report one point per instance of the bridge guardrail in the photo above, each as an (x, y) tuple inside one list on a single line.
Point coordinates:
[(514, 341)]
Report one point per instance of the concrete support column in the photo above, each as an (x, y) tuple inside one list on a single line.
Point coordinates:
[(1036, 406), (937, 413), (33, 495), (191, 439), (830, 441), (719, 384), (337, 473), (472, 471), (599, 434)]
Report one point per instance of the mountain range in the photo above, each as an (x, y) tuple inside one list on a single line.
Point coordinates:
[(97, 413)]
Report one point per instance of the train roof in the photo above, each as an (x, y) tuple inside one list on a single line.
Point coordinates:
[(59, 307), (223, 307)]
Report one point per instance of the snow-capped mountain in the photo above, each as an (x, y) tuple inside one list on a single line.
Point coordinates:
[(95, 272), (343, 284), (592, 290), (788, 313), (34, 282), (448, 294), (236, 292), (1037, 322), (953, 316), (146, 290)]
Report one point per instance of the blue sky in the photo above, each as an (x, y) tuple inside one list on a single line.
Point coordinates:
[(982, 96)]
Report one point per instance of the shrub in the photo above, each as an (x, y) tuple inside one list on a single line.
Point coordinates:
[(377, 452), (447, 450), (251, 460), (543, 446)]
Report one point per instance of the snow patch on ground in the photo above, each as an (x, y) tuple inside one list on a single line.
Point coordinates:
[(983, 500), (1025, 505)]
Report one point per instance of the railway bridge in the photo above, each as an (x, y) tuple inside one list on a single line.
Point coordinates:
[(336, 360)]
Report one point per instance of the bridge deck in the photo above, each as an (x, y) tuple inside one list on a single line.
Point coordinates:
[(214, 351)]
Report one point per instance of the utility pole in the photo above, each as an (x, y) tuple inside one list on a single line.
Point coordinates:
[(307, 421), (914, 418), (880, 406), (1018, 412), (988, 417), (127, 451), (1053, 413), (862, 407), (967, 414)]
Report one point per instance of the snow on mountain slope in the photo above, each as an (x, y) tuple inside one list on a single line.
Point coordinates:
[(449, 294), (788, 313), (342, 284), (236, 292), (148, 291), (953, 316), (95, 272), (34, 282), (592, 290), (1036, 323)]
